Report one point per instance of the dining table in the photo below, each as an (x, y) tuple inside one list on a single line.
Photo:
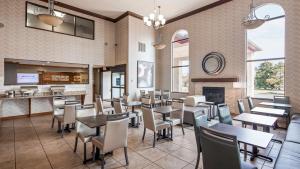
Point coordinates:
[(254, 138), (164, 111), (281, 105), (94, 122), (268, 111)]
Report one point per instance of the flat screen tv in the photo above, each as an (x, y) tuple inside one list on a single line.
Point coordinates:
[(27, 78)]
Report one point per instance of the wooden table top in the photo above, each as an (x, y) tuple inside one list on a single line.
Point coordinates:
[(93, 121), (244, 135), (276, 104), (268, 111), (256, 119), (164, 109)]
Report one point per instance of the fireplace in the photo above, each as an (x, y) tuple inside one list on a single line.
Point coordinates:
[(214, 94)]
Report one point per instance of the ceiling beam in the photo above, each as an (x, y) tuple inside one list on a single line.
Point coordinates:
[(207, 7)]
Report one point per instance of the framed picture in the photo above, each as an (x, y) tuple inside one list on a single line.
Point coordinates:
[(145, 75)]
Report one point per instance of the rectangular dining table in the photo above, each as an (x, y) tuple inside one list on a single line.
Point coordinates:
[(94, 122), (257, 139), (281, 105), (164, 110), (268, 111)]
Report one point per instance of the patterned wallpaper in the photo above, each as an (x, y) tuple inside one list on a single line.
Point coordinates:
[(219, 29), (17, 41)]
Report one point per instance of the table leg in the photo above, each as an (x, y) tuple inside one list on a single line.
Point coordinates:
[(97, 153)]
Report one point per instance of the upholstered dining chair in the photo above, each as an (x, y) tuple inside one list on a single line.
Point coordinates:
[(118, 106), (166, 97), (154, 101), (199, 120), (241, 110), (58, 107), (176, 117), (283, 100), (224, 114), (146, 102), (142, 93), (221, 151), (250, 103), (115, 136), (154, 125), (68, 117), (83, 132), (102, 109)]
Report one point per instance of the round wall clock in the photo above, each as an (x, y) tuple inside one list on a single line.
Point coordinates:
[(213, 63)]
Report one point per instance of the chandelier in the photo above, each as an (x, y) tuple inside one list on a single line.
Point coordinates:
[(252, 21), (155, 19), (51, 18)]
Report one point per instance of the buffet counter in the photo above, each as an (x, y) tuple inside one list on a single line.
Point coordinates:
[(34, 104)]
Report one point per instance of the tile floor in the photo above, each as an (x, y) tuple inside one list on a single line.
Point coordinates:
[(30, 143)]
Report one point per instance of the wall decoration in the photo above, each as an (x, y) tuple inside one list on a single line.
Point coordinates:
[(213, 63), (145, 76)]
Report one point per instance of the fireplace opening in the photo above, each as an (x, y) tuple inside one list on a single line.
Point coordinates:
[(214, 94)]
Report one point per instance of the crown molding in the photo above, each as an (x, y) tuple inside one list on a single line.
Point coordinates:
[(129, 13)]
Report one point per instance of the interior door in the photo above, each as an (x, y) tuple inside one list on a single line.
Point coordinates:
[(106, 85)]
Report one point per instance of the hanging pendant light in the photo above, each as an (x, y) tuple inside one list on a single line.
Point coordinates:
[(155, 19), (51, 18), (252, 21), (159, 45)]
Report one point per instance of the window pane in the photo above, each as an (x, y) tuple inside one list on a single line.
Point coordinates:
[(265, 78), (84, 28), (267, 41), (181, 79), (273, 10), (181, 53), (68, 26), (32, 17)]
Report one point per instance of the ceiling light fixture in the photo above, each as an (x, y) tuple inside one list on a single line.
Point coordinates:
[(155, 19), (252, 21), (51, 18)]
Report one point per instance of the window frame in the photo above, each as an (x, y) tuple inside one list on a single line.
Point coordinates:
[(266, 60), (178, 67)]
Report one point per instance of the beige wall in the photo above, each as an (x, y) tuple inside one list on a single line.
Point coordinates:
[(219, 29), (17, 41)]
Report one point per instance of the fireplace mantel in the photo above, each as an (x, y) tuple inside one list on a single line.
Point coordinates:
[(215, 80)]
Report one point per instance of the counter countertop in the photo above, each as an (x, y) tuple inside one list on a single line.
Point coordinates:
[(41, 95)]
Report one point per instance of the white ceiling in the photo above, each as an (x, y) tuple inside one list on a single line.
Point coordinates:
[(114, 8)]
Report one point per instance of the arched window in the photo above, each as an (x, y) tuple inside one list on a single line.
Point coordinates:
[(180, 62), (266, 54)]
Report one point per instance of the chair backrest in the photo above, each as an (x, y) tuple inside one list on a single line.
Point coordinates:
[(157, 92), (224, 114), (166, 94), (70, 102), (241, 106), (149, 119), (118, 106), (146, 102), (125, 98), (250, 103), (281, 99), (142, 93), (99, 106), (152, 96), (86, 110), (199, 120), (180, 113), (116, 132), (70, 113), (219, 150)]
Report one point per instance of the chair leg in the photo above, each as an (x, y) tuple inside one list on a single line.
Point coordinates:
[(171, 132), (198, 159), (126, 155), (84, 153), (182, 129), (52, 125), (102, 161), (94, 154), (76, 142), (154, 139), (62, 130), (144, 133)]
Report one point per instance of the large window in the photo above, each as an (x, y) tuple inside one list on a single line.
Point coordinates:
[(180, 62), (266, 54)]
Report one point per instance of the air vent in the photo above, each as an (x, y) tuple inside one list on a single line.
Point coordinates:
[(142, 47)]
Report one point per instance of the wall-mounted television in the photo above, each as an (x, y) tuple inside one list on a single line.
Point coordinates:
[(27, 78)]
